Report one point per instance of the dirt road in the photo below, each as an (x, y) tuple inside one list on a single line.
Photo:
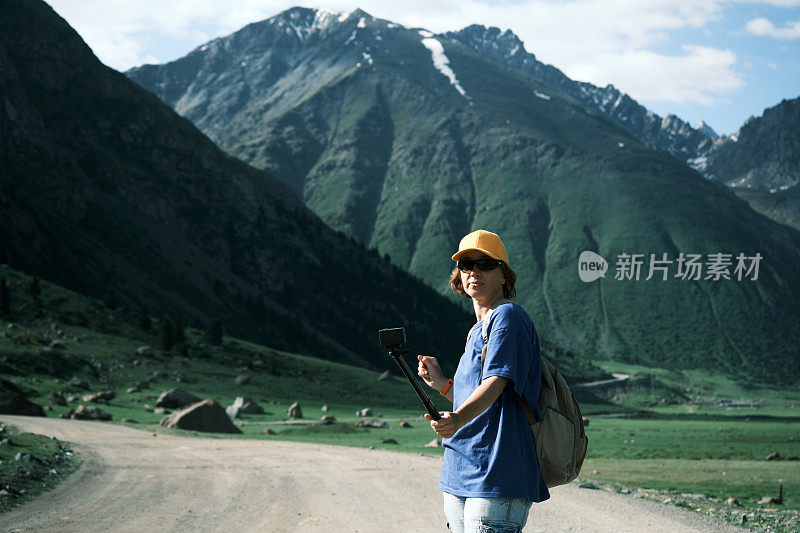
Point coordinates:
[(133, 481)]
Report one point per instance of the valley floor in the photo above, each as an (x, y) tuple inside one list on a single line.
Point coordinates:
[(135, 480)]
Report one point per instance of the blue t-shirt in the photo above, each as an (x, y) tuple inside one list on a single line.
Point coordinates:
[(494, 456)]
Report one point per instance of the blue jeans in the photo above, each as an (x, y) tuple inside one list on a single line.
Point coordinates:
[(485, 515)]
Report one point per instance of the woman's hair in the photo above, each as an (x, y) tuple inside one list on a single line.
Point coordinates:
[(509, 287)]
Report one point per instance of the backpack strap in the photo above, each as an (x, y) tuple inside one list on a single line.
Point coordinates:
[(485, 327), (484, 333), (527, 410)]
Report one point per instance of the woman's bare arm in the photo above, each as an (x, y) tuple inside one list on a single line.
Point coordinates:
[(480, 399), (431, 373)]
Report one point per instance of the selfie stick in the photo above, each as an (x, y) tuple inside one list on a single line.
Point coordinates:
[(397, 354)]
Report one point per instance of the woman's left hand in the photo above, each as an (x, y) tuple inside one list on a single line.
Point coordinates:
[(447, 425)]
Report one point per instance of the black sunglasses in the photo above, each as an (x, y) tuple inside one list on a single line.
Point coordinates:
[(483, 264)]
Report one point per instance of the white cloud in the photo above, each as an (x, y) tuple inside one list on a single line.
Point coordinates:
[(699, 75), (777, 3), (600, 41), (764, 28), (124, 34), (604, 42), (114, 47)]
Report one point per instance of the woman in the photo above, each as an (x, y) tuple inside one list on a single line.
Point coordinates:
[(490, 473)]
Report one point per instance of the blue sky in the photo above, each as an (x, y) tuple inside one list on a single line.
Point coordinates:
[(715, 60), (768, 67)]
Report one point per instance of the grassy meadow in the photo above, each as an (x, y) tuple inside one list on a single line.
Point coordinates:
[(26, 479), (697, 444)]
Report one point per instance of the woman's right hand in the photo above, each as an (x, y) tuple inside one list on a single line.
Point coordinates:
[(430, 371)]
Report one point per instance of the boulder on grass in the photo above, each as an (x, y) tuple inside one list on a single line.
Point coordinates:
[(144, 351), (58, 344), (8, 386), (139, 386), (295, 411), (86, 412), (158, 374), (246, 405), (78, 383), (207, 416), (176, 399), (14, 402), (371, 423), (56, 398), (435, 443), (100, 397)]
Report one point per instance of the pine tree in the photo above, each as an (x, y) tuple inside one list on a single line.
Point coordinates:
[(214, 333), (5, 298), (260, 311), (179, 334), (166, 336), (144, 320), (35, 289), (110, 300), (217, 286)]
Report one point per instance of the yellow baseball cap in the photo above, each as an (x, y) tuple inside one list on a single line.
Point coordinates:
[(482, 241)]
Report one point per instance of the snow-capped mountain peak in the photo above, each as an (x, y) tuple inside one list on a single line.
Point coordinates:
[(491, 40), (705, 129), (303, 21)]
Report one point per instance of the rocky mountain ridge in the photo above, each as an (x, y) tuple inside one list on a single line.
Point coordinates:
[(406, 141), (669, 133), (107, 191)]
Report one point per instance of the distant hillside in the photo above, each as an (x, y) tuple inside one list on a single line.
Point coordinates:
[(61, 334), (782, 205), (669, 133), (406, 141), (761, 162), (763, 155), (105, 190), (49, 338)]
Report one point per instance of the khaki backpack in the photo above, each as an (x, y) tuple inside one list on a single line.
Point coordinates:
[(560, 437)]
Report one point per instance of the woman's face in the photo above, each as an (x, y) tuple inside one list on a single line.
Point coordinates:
[(482, 285)]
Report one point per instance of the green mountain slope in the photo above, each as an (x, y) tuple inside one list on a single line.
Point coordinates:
[(763, 155), (59, 334), (760, 162), (362, 120), (782, 205), (107, 191)]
